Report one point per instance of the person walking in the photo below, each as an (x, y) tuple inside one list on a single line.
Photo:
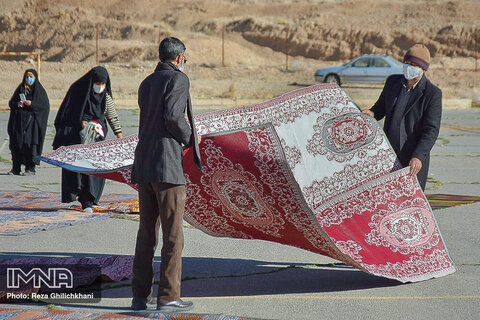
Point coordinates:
[(163, 98), (412, 107), (27, 124), (87, 104)]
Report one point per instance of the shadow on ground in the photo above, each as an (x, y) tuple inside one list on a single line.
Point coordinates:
[(223, 277)]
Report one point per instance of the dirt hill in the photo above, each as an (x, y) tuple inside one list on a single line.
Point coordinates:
[(257, 35), (327, 30)]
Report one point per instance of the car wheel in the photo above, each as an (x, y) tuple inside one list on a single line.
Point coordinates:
[(332, 78)]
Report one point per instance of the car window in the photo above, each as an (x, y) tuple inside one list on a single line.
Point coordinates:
[(361, 63), (395, 62), (380, 63)]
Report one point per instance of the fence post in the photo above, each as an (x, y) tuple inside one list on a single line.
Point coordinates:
[(96, 43), (476, 49), (351, 42), (223, 45), (287, 30), (38, 64)]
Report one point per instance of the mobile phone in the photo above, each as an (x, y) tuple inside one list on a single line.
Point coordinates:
[(22, 97)]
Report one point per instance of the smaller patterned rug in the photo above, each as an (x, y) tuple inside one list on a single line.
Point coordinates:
[(24, 212), (44, 201), (19, 314), (442, 201), (18, 222)]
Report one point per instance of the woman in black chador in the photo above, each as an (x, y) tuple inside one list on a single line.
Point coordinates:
[(86, 108), (29, 109)]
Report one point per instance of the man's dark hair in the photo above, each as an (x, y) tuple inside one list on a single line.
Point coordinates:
[(170, 48)]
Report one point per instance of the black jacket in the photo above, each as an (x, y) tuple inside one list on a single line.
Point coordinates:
[(163, 98), (421, 119)]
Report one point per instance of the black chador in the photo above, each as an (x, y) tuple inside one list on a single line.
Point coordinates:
[(82, 103), (27, 124)]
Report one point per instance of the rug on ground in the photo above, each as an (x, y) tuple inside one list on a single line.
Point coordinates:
[(23, 314), (306, 169), (49, 201), (24, 212)]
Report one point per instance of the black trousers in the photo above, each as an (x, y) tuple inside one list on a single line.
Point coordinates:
[(23, 156), (87, 188)]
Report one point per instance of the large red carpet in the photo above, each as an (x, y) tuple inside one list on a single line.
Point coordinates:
[(306, 169)]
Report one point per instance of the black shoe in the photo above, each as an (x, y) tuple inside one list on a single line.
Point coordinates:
[(13, 173), (141, 303), (29, 173), (174, 306)]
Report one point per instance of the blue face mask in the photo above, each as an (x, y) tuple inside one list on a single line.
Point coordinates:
[(30, 81)]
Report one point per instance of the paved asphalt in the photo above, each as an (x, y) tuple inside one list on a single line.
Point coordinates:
[(271, 281)]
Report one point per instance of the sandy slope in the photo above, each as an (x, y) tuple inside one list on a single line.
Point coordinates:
[(320, 33)]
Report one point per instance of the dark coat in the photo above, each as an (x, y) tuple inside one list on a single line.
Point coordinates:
[(420, 123), (163, 98), (27, 126)]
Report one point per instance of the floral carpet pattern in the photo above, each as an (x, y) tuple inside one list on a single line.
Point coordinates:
[(306, 169)]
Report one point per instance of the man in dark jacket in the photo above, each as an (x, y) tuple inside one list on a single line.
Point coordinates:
[(412, 107), (163, 98)]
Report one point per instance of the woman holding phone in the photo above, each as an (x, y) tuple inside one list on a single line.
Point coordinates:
[(27, 124)]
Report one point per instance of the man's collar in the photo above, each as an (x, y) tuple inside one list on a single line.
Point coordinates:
[(166, 66), (416, 83)]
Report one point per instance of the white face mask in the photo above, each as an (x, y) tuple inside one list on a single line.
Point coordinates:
[(411, 72), (98, 88)]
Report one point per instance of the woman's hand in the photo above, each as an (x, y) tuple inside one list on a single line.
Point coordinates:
[(28, 103), (84, 123)]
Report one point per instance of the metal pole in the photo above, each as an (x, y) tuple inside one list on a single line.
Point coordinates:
[(223, 46), (96, 43), (476, 50), (286, 48), (351, 42), (38, 64)]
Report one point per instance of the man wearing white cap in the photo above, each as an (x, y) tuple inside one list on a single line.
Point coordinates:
[(412, 107)]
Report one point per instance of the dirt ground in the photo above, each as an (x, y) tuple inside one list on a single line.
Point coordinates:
[(320, 33)]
